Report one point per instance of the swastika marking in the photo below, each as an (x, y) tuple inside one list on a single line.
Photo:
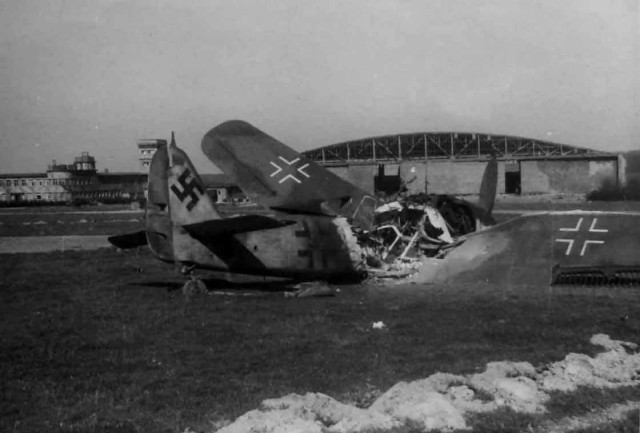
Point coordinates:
[(189, 189), (290, 175), (592, 229)]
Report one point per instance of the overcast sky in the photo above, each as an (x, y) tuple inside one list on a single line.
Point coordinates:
[(95, 76)]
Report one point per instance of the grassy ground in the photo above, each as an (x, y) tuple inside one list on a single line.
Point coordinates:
[(89, 342)]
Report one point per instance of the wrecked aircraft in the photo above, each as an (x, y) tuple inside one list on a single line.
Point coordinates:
[(322, 227)]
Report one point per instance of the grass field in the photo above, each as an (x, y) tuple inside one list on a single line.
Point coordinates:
[(91, 342)]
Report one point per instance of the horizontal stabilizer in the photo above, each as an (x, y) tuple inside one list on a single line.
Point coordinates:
[(275, 176), (129, 240), (231, 226)]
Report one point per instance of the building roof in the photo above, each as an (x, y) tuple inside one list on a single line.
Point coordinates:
[(116, 174), (22, 175), (463, 146), (148, 143)]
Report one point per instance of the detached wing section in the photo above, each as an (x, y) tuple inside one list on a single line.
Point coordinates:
[(276, 176)]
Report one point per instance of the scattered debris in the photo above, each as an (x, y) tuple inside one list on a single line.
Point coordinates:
[(440, 401), (311, 289), (379, 325)]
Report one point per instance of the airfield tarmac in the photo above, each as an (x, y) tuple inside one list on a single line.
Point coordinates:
[(43, 244)]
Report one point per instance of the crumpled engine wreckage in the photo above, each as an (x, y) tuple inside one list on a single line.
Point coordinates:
[(412, 227)]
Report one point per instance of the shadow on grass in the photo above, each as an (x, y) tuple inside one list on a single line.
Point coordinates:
[(214, 284)]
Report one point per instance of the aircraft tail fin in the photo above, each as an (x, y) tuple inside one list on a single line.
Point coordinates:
[(488, 190), (176, 196), (188, 199), (158, 221)]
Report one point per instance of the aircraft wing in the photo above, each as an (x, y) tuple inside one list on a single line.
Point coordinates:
[(276, 176), (231, 226), (129, 240)]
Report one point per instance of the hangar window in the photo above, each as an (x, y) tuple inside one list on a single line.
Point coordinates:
[(512, 177), (387, 184)]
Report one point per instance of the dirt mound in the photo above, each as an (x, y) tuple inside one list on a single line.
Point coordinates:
[(440, 401)]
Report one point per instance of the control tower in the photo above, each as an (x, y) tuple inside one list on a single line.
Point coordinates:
[(147, 147)]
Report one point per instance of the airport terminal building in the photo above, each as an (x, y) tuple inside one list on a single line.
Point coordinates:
[(78, 182), (81, 183)]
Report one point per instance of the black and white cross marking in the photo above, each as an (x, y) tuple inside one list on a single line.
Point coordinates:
[(292, 174), (592, 229), (189, 189)]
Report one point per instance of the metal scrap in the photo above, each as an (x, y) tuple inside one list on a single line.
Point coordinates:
[(408, 229)]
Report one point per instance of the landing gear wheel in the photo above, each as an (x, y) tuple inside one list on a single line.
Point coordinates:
[(193, 287)]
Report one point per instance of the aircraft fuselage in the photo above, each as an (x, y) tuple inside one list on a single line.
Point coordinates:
[(314, 246)]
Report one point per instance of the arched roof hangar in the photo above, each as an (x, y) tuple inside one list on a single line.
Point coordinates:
[(453, 162)]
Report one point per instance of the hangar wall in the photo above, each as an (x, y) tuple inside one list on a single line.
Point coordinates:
[(629, 173), (575, 176), (568, 177), (360, 175), (461, 177)]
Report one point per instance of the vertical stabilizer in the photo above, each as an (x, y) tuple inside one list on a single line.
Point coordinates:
[(158, 221), (488, 189), (188, 198)]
